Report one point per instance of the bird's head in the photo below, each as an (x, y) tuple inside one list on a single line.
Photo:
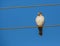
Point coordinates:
[(39, 13)]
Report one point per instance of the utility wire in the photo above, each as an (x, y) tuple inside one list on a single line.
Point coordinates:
[(23, 27), (33, 6)]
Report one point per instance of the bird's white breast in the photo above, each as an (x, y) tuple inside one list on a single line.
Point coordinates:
[(40, 20)]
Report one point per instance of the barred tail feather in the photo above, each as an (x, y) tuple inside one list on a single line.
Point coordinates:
[(40, 30)]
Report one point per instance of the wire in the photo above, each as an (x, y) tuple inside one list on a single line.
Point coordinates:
[(38, 5), (23, 27)]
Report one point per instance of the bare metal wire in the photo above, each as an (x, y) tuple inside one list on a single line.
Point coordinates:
[(25, 27), (33, 6)]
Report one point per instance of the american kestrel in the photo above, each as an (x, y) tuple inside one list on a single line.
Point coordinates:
[(40, 22)]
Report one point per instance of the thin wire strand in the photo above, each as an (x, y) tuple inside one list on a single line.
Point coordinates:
[(24, 27), (33, 6)]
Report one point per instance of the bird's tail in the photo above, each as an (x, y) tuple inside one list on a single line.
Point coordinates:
[(40, 30)]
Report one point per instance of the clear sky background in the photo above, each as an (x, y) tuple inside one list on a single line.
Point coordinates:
[(26, 17)]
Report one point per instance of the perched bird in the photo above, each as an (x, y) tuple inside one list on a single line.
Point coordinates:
[(40, 22)]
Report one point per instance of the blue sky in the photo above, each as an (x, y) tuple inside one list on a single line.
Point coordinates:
[(26, 17)]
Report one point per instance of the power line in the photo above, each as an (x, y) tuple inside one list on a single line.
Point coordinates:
[(33, 6), (23, 27)]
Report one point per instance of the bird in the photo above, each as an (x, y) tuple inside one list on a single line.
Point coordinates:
[(40, 22)]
